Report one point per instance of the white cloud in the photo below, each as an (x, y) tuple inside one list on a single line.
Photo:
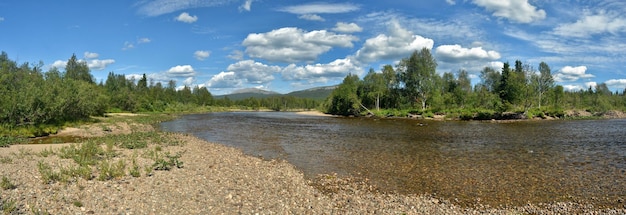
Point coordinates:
[(293, 44), (456, 53), (617, 83), (181, 71), (59, 64), (572, 87), (592, 24), (224, 80), (1, 19), (570, 74), (253, 72), (236, 55), (189, 81), (244, 73), (321, 72), (201, 54), (343, 27), (99, 64), (90, 55), (311, 17), (515, 10), (128, 46), (143, 40), (320, 7), (186, 18), (247, 5), (160, 7), (591, 84), (398, 44), (95, 64), (451, 2)]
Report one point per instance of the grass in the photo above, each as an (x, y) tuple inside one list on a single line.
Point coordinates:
[(8, 206), (6, 184)]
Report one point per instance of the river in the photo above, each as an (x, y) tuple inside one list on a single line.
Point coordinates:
[(465, 162)]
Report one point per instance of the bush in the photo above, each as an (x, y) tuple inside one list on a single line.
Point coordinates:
[(87, 153), (109, 171)]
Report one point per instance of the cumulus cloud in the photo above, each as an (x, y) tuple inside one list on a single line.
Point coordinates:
[(128, 46), (95, 64), (181, 71), (515, 10), (224, 80), (343, 27), (91, 55), (186, 18), (321, 72), (242, 73), (320, 7), (591, 24), (253, 72), (616, 83), (451, 2), (99, 64), (311, 17), (569, 74), (398, 44), (293, 45), (201, 54), (456, 53), (189, 81)]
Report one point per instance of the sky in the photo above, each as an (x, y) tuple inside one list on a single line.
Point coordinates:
[(289, 45)]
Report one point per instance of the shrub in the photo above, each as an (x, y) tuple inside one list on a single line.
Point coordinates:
[(88, 153)]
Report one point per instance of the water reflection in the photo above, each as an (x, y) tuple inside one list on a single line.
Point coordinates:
[(472, 162)]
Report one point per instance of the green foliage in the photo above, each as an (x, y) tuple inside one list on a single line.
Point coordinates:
[(7, 141), (110, 171), (8, 206), (6, 184), (344, 99), (84, 154), (48, 175), (165, 163)]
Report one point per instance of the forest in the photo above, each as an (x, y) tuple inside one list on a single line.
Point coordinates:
[(37, 103), (414, 87)]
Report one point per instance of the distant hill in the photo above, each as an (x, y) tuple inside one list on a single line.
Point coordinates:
[(249, 92), (318, 93)]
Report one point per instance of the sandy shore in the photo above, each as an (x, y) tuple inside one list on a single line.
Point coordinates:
[(313, 113), (217, 179)]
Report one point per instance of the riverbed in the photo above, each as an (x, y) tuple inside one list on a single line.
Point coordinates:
[(465, 162)]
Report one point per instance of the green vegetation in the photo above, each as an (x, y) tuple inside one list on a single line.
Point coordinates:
[(414, 88), (6, 184), (37, 103)]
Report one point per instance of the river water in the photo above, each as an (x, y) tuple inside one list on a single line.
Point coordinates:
[(465, 162)]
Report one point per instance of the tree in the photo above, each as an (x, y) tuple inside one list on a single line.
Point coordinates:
[(344, 99), (78, 70), (418, 73), (545, 82), (374, 87)]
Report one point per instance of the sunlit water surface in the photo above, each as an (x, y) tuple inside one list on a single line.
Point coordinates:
[(498, 164)]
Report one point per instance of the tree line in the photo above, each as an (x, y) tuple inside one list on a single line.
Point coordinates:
[(34, 102), (414, 87)]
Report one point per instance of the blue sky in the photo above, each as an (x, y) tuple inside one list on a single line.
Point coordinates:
[(288, 45)]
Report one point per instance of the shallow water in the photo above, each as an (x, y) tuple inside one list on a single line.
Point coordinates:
[(498, 164)]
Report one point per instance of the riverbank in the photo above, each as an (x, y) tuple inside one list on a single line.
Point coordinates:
[(213, 179)]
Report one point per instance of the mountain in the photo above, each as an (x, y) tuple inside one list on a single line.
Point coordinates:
[(318, 93), (249, 92)]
